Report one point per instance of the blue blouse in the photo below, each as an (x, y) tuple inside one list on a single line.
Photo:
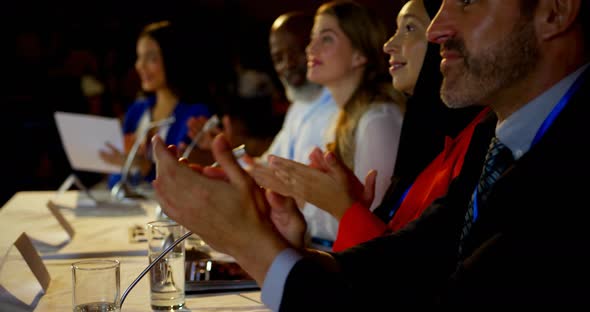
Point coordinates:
[(177, 133)]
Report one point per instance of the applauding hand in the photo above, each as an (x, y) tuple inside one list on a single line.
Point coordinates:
[(326, 182), (231, 214)]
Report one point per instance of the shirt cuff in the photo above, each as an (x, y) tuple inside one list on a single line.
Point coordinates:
[(274, 283)]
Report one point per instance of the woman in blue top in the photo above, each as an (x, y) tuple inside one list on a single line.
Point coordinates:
[(163, 67)]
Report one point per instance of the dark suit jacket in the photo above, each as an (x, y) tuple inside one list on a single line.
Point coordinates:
[(531, 243)]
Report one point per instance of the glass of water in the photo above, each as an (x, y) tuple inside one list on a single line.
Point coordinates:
[(167, 276), (95, 285)]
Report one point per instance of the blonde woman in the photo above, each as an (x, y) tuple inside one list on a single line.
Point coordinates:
[(345, 56)]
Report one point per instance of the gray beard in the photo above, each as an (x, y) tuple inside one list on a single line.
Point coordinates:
[(484, 74), (306, 93)]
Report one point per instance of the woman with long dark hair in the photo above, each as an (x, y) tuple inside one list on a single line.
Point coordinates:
[(168, 87)]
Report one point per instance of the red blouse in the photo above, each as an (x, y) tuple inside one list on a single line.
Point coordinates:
[(359, 224)]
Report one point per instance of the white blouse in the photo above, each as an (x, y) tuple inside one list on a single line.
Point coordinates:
[(377, 141)]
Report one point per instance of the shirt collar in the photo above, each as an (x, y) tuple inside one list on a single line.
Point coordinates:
[(519, 129)]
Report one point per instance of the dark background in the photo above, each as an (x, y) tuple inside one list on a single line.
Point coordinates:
[(49, 45)]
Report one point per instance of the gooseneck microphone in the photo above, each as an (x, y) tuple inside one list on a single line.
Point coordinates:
[(121, 189), (210, 124), (168, 246)]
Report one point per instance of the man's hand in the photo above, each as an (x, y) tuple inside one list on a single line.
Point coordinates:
[(287, 218), (231, 215)]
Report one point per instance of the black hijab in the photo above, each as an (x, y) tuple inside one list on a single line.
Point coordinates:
[(427, 122)]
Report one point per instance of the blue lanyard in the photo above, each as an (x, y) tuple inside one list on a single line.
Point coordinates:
[(322, 242), (544, 126), (559, 107), (325, 99), (399, 202)]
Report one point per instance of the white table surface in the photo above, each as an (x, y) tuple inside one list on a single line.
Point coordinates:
[(95, 236)]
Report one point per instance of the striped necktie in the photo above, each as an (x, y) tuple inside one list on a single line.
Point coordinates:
[(498, 159)]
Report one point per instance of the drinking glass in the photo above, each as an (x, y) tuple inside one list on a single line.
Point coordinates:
[(96, 285), (167, 276)]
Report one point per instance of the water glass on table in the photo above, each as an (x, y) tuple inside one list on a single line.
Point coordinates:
[(167, 280), (96, 285)]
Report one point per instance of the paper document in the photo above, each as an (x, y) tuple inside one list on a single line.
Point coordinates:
[(83, 136)]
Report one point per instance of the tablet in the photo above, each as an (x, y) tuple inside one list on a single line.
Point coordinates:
[(206, 275)]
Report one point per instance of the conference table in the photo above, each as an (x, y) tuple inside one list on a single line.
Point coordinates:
[(98, 231)]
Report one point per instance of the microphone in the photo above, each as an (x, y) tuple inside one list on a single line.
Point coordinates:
[(238, 153), (168, 243), (211, 122), (121, 189)]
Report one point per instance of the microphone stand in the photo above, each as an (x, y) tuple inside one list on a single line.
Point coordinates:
[(122, 189)]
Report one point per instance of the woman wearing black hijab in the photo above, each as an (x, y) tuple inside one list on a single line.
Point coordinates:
[(433, 141), (427, 122)]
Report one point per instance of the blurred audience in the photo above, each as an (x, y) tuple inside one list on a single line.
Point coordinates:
[(250, 121), (247, 113), (32, 94)]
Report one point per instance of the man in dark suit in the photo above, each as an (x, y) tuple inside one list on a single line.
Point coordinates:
[(524, 239)]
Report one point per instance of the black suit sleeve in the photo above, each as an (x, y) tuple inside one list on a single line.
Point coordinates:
[(413, 264), (409, 267)]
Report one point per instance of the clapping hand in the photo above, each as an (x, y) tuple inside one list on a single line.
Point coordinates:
[(230, 212), (326, 183)]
